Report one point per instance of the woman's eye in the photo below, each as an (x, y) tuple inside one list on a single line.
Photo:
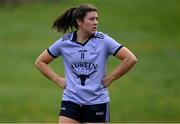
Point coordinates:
[(92, 19)]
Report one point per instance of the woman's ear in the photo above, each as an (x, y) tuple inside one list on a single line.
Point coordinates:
[(79, 22)]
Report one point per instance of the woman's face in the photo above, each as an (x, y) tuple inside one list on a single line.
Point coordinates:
[(89, 24)]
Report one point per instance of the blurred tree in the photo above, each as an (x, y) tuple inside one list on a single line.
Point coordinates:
[(8, 2), (17, 2)]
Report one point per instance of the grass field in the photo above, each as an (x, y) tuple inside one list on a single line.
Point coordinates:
[(150, 92)]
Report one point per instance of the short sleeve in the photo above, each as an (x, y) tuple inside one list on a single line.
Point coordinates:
[(54, 49), (112, 46)]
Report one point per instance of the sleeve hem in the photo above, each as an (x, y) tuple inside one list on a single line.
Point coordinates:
[(51, 53), (118, 50)]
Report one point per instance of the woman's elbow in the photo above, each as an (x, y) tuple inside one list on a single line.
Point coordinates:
[(37, 64), (133, 60)]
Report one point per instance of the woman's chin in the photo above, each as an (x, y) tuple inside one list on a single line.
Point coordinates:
[(93, 32)]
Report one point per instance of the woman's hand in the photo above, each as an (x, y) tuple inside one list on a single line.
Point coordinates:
[(107, 80), (61, 81)]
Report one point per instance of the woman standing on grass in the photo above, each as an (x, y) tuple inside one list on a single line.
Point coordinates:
[(84, 52)]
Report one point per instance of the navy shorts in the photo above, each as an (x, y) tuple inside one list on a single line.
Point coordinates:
[(85, 113)]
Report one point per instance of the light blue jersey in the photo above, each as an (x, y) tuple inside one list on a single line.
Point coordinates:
[(85, 66)]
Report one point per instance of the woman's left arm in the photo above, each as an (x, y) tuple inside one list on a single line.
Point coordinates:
[(128, 61)]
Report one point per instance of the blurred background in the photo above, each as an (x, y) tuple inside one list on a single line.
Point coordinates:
[(150, 92)]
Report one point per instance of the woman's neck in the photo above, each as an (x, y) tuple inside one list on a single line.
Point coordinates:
[(82, 37)]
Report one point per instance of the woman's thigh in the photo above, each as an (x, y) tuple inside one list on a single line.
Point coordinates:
[(63, 119)]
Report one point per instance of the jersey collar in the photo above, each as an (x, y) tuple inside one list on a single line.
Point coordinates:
[(74, 38)]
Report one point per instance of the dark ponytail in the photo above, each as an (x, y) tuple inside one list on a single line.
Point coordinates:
[(67, 21)]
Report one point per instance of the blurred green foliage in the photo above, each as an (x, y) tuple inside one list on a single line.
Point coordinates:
[(150, 92)]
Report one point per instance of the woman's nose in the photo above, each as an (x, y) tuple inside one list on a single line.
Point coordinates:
[(95, 21)]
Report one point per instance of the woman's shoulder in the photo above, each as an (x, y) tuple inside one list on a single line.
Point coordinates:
[(67, 36), (101, 35)]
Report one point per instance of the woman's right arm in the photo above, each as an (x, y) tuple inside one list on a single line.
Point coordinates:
[(42, 65)]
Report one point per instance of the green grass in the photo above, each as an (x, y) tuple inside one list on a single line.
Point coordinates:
[(150, 92)]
